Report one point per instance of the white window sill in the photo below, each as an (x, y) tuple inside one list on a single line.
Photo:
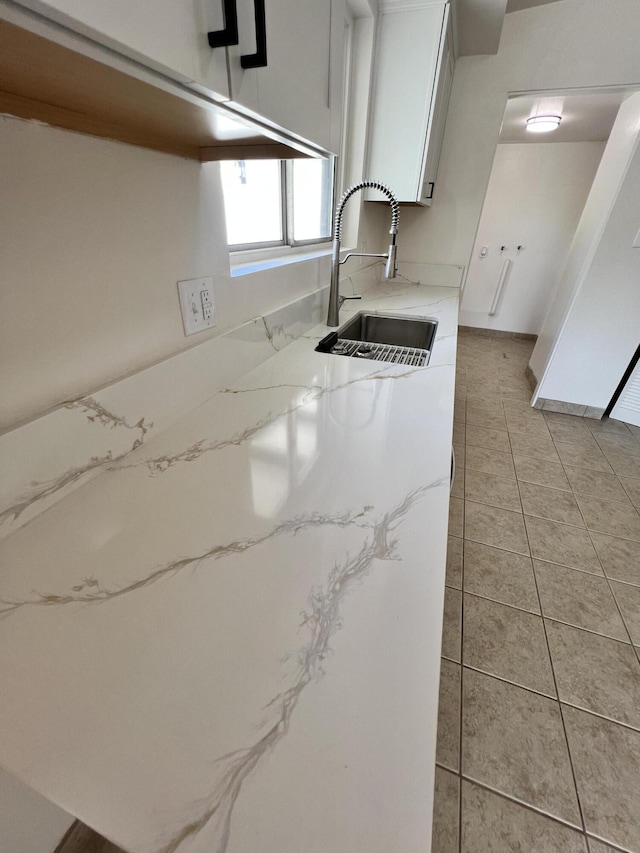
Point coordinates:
[(254, 260)]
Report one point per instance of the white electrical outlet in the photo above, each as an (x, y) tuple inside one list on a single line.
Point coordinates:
[(196, 304)]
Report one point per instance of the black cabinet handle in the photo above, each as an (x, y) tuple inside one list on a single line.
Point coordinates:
[(259, 58), (431, 186), (229, 35)]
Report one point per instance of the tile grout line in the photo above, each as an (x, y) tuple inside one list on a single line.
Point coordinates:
[(568, 704), (553, 673), (504, 680), (604, 573), (609, 844), (627, 490), (542, 615), (505, 406), (615, 600), (619, 450), (555, 684), (542, 619), (551, 563), (627, 539), (459, 467), (533, 809), (575, 568), (497, 601), (461, 695), (462, 666), (560, 704), (611, 589), (575, 496), (461, 686), (605, 576), (511, 799), (574, 493)]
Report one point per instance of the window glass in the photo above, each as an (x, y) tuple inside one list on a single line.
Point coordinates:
[(311, 199), (253, 201), (277, 202)]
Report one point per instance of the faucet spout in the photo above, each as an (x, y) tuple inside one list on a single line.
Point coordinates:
[(391, 266), (335, 301)]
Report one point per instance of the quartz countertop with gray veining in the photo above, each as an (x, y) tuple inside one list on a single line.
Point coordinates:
[(229, 640)]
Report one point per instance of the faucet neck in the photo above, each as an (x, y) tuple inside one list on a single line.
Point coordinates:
[(333, 314), (363, 185), (333, 317)]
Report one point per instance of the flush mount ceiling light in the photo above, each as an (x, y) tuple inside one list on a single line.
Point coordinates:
[(543, 124)]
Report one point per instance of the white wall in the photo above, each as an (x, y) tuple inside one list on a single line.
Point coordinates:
[(535, 197), (592, 329), (94, 236), (28, 822), (572, 43), (610, 175)]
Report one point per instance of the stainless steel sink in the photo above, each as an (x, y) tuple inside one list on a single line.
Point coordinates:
[(383, 337)]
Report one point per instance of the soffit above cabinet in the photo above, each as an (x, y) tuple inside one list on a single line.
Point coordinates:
[(477, 26), (519, 5), (478, 23), (48, 81)]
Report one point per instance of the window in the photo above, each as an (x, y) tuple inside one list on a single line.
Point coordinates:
[(277, 202)]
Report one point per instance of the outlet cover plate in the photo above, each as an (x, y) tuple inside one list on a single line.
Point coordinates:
[(193, 305)]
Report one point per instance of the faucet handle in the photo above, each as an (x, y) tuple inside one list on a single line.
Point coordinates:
[(342, 299)]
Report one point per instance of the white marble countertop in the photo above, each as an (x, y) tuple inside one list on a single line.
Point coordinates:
[(230, 641)]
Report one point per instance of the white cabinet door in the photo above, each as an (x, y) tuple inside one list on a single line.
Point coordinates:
[(297, 89), (439, 108), (169, 36), (409, 54), (627, 406)]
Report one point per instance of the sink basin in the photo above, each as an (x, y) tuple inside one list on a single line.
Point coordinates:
[(392, 329), (383, 337)]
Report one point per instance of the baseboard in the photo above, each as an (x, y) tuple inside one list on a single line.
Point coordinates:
[(80, 839), (577, 409), (531, 379), (495, 333)]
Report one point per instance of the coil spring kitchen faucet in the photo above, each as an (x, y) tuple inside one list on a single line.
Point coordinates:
[(335, 300)]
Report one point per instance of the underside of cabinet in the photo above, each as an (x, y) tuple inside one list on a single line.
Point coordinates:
[(43, 80)]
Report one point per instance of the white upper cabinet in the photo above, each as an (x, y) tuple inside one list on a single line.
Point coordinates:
[(414, 69), (299, 89), (298, 47), (168, 36), (438, 117)]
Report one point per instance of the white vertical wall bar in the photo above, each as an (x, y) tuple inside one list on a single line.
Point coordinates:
[(501, 283)]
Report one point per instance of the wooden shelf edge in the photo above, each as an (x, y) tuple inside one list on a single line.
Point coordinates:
[(43, 80), (65, 119), (240, 151)]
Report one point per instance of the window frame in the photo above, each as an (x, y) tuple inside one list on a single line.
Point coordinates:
[(286, 211)]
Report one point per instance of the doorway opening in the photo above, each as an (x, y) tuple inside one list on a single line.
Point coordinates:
[(537, 190)]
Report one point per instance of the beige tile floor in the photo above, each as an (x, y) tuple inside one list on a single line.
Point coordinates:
[(539, 719)]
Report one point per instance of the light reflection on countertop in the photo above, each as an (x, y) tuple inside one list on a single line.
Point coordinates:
[(282, 456)]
